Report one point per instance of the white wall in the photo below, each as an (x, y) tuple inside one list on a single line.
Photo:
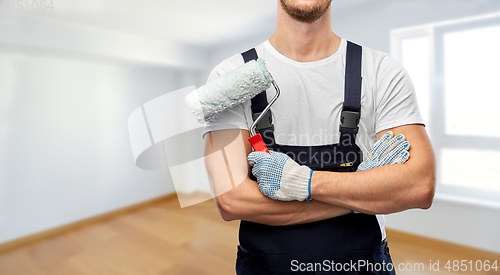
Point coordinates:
[(454, 220), (65, 152)]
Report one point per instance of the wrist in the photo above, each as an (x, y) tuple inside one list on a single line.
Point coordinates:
[(309, 185), (325, 185), (315, 184)]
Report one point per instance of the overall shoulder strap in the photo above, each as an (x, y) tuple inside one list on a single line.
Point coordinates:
[(259, 102), (349, 118)]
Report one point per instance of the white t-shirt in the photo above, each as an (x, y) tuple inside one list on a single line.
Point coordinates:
[(307, 113)]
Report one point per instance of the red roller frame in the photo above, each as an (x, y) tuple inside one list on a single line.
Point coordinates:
[(258, 143)]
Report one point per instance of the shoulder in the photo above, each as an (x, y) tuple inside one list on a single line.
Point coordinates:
[(375, 59), (231, 63), (379, 63), (382, 70)]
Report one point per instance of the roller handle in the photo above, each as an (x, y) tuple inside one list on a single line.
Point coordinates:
[(258, 143)]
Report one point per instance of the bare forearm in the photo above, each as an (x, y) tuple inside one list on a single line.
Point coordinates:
[(246, 202), (381, 190)]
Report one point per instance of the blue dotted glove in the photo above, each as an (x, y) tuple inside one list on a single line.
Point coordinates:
[(280, 177), (389, 149)]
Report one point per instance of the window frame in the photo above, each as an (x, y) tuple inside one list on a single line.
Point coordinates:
[(440, 140)]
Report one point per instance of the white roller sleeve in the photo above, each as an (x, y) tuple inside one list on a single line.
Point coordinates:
[(229, 90)]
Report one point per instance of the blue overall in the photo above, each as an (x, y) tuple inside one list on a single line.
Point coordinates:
[(347, 239)]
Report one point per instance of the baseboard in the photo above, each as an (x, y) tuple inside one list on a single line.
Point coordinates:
[(441, 245), (82, 223)]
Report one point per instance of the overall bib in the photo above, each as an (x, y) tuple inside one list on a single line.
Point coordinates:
[(345, 240)]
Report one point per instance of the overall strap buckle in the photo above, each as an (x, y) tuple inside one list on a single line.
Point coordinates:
[(349, 120), (265, 122)]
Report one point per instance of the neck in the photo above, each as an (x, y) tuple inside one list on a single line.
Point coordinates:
[(304, 42)]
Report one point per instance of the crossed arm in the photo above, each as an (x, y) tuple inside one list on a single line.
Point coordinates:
[(380, 190), (386, 189), (245, 201)]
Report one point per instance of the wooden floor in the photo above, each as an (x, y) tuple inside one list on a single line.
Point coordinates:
[(164, 239)]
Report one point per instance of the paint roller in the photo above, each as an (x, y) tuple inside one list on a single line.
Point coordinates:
[(231, 89)]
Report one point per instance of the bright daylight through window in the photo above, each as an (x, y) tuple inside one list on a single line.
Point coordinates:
[(454, 68)]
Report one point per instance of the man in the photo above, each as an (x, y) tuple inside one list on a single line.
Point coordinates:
[(296, 219)]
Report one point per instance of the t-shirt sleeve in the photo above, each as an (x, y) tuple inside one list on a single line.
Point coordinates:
[(395, 99), (232, 118)]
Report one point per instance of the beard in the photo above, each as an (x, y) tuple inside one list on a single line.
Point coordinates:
[(306, 14)]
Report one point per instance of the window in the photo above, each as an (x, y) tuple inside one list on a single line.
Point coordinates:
[(455, 68), (471, 87)]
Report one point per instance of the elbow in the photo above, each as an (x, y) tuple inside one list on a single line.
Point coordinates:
[(225, 207), (226, 214), (427, 191)]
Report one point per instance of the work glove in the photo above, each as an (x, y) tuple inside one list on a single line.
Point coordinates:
[(280, 177), (389, 149)]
